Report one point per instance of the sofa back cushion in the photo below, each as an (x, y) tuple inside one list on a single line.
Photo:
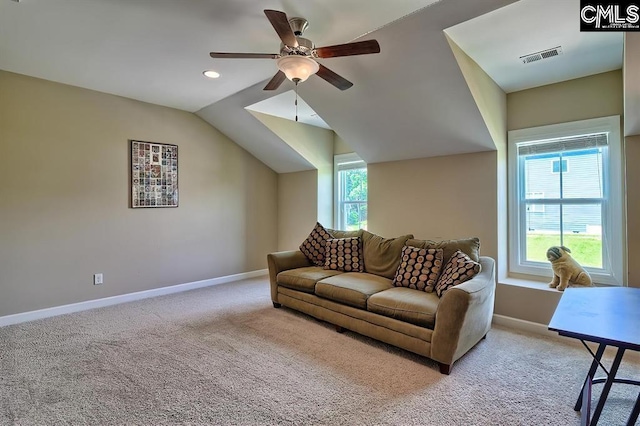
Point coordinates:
[(382, 255), (336, 233), (469, 246)]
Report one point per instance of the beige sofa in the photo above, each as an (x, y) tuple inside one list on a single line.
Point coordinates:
[(441, 328)]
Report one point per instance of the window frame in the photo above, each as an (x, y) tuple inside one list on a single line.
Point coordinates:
[(343, 162), (613, 212)]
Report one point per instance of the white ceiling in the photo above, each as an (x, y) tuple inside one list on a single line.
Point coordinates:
[(409, 101), (156, 50), (497, 40), (283, 105)]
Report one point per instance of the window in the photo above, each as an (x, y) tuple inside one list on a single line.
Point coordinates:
[(565, 188), (350, 177)]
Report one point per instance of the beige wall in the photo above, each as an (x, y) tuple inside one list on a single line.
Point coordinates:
[(340, 146), (297, 207), (492, 104), (631, 68), (436, 198), (64, 189), (632, 154), (489, 97), (315, 144), (595, 96)]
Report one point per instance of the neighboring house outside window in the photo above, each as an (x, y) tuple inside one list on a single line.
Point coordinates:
[(565, 188), (556, 166), (350, 192)]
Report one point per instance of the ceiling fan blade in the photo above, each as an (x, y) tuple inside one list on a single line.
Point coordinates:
[(333, 78), (349, 49), (280, 23), (276, 81), (243, 55)]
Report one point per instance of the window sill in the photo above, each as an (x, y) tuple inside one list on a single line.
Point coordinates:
[(536, 285)]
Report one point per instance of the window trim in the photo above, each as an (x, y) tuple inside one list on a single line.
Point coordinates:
[(342, 162), (613, 218)]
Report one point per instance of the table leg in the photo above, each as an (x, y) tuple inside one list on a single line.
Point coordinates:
[(585, 412), (634, 414), (607, 386), (592, 372)]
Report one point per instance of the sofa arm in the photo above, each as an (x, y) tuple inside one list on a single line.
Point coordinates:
[(282, 261), (464, 315)]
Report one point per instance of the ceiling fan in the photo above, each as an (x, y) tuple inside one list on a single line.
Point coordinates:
[(297, 58)]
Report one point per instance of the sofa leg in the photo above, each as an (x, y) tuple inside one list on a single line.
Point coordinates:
[(339, 329), (484, 337), (276, 305), (445, 368)]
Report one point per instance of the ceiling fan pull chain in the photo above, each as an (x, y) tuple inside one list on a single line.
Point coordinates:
[(296, 102)]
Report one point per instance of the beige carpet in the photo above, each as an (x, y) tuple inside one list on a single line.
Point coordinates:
[(224, 355)]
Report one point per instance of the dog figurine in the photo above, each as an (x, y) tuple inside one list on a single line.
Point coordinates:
[(566, 270)]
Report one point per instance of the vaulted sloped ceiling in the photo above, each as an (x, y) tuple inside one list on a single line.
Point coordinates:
[(409, 101), (231, 118)]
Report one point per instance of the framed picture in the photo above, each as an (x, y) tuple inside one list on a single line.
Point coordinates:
[(154, 174)]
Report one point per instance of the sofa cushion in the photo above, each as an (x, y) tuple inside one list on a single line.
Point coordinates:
[(352, 288), (345, 234), (405, 304), (344, 254), (382, 255), (469, 246), (314, 246), (459, 269), (419, 268), (304, 279)]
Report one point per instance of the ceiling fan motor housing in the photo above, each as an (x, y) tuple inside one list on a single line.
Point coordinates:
[(305, 48)]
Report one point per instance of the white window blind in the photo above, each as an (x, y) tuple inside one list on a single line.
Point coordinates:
[(563, 144)]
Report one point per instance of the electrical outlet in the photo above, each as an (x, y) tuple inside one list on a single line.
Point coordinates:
[(97, 279)]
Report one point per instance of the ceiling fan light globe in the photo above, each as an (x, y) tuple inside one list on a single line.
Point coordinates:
[(297, 67)]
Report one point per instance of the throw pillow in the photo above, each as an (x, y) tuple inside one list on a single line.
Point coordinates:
[(314, 247), (459, 269), (344, 254), (382, 255), (419, 268), (469, 246)]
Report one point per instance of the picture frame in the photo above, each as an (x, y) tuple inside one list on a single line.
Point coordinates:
[(153, 172)]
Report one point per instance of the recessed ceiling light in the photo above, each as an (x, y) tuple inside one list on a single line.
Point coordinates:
[(211, 74)]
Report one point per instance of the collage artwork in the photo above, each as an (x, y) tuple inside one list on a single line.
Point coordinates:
[(154, 174)]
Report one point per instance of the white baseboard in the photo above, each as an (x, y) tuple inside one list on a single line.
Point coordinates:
[(528, 326), (542, 329), (123, 298)]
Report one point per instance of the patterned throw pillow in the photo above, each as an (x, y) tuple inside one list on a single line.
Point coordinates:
[(314, 246), (419, 268), (459, 269), (344, 254)]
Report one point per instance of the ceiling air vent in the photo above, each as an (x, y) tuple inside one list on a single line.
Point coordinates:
[(544, 54)]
